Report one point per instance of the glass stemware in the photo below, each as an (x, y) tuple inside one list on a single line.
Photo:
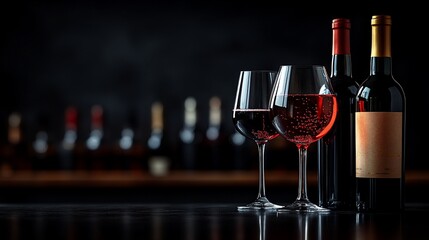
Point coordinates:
[(251, 117), (303, 109)]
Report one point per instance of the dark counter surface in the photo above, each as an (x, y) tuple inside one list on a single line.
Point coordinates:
[(200, 221), (77, 206)]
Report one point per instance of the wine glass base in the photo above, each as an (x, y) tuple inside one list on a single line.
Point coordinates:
[(260, 204), (302, 206)]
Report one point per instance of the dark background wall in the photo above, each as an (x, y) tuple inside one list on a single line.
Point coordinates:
[(125, 55)]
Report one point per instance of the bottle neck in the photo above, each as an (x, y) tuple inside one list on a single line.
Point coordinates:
[(381, 66), (215, 115), (190, 114), (341, 64), (157, 117), (381, 60), (71, 119), (97, 117), (14, 132)]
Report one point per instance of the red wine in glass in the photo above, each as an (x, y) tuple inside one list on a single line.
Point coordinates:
[(306, 118), (254, 124)]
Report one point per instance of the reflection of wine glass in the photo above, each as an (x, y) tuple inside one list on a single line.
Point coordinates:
[(263, 217), (303, 109), (262, 223), (251, 118)]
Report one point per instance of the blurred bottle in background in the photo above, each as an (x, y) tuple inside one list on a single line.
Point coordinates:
[(215, 143), (129, 151), (43, 152), (94, 143), (189, 136), (158, 159), (14, 151), (240, 151), (67, 146)]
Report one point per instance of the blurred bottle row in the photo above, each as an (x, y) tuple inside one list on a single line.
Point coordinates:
[(192, 148)]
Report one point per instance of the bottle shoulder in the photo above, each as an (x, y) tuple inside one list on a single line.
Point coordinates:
[(381, 94), (344, 85), (375, 84)]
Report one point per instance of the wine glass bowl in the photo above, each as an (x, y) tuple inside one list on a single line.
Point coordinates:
[(303, 109), (251, 118)]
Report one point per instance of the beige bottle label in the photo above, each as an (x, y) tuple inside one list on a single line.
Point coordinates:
[(378, 144)]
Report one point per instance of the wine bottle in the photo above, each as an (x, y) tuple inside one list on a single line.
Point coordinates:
[(14, 151), (380, 128), (129, 151), (189, 135), (95, 141), (158, 158), (215, 138), (240, 151), (68, 143), (43, 152), (336, 170), (125, 144)]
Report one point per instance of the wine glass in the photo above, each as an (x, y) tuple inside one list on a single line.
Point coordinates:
[(251, 117), (303, 109)]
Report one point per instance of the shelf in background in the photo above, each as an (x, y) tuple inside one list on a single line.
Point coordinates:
[(133, 179), (172, 179)]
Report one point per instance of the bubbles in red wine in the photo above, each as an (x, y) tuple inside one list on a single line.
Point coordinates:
[(305, 118)]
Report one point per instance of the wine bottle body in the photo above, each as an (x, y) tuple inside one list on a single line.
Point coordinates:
[(380, 144), (337, 151)]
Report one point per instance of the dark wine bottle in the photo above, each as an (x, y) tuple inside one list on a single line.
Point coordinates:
[(43, 152), (380, 128), (158, 156), (128, 152), (336, 151), (215, 138), (14, 150), (66, 150), (95, 143), (240, 151), (189, 135)]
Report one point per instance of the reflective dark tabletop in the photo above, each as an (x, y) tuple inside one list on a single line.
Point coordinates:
[(200, 221)]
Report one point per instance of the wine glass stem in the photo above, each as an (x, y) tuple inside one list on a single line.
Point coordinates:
[(261, 152), (302, 184)]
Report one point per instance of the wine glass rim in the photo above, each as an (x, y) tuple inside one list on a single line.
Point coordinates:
[(303, 65), (258, 70)]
